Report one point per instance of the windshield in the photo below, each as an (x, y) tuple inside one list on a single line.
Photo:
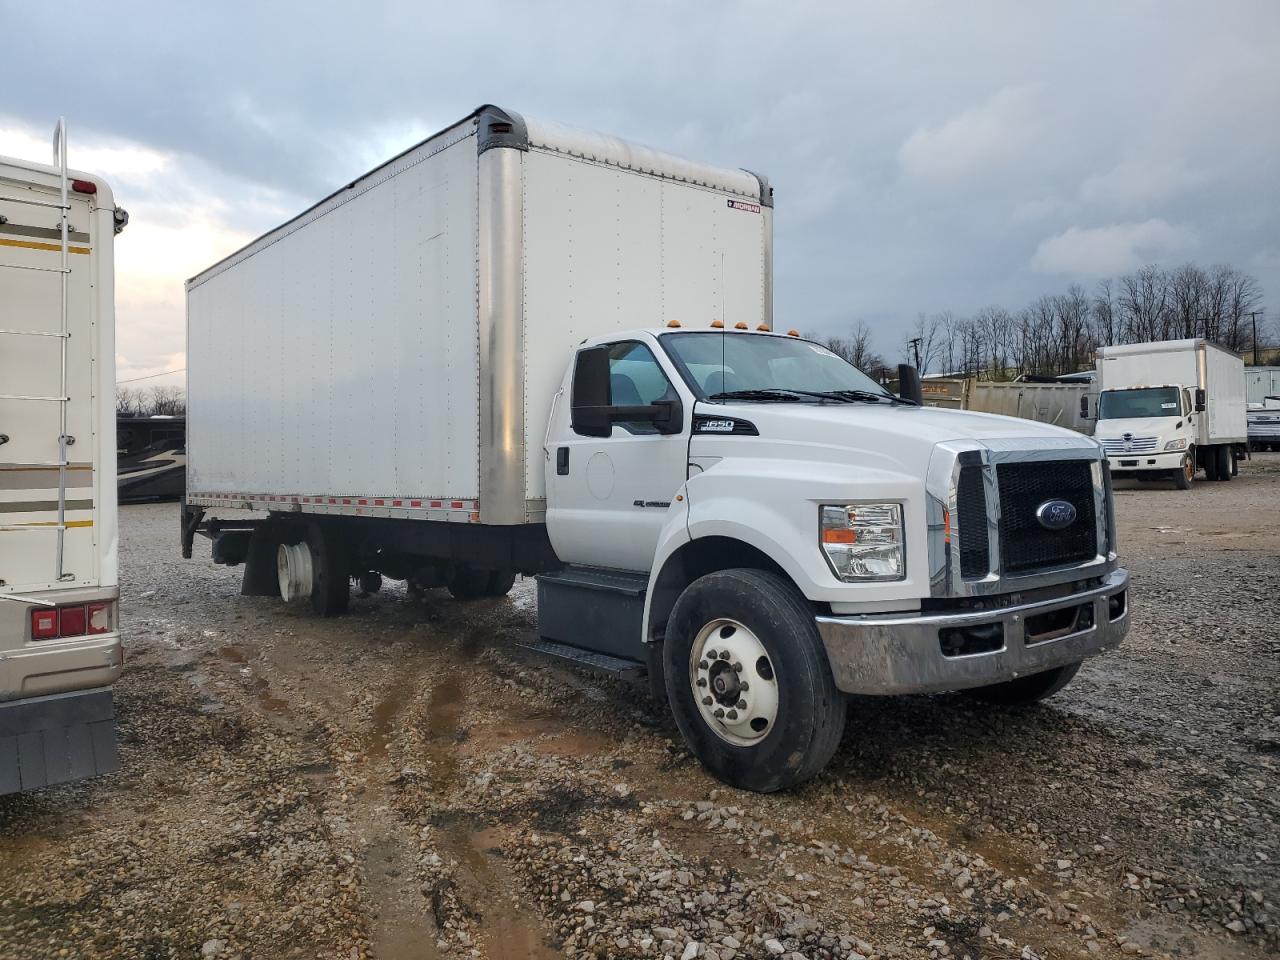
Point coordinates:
[(716, 363), (1142, 402)]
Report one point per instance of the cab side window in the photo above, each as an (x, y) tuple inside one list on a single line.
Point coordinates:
[(635, 380)]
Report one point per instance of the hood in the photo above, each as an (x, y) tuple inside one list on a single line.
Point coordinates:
[(885, 436), (1138, 426)]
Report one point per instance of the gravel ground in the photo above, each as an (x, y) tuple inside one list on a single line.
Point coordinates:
[(401, 783)]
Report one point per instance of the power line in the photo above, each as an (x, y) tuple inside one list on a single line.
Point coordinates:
[(151, 376)]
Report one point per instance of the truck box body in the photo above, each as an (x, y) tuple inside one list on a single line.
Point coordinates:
[(1194, 364), (394, 350), (59, 632)]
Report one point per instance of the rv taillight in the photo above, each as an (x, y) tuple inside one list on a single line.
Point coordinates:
[(72, 621), (44, 624), (84, 186), (99, 617)]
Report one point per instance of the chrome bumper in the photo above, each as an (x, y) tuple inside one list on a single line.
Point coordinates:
[(892, 654)]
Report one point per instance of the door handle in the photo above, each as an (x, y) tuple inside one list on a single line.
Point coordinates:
[(562, 461)]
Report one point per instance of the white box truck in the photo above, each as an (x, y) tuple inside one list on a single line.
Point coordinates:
[(1168, 409), (521, 348), (59, 627)]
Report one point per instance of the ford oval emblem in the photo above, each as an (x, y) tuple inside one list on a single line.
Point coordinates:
[(1056, 514)]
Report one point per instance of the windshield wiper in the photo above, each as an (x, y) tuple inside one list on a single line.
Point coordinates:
[(786, 394), (866, 396)]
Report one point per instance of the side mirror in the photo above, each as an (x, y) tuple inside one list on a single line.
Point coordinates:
[(1202, 400), (592, 412), (591, 393), (1084, 406), (909, 384)]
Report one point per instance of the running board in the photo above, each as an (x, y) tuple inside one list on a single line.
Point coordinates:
[(588, 659)]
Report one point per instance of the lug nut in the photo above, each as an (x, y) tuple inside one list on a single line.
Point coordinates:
[(702, 681), (733, 714), (718, 714), (742, 704), (724, 654), (711, 655), (744, 686), (707, 701), (737, 668), (703, 665)]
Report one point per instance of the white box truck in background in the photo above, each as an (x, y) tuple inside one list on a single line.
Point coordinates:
[(1168, 409), (59, 627), (522, 348)]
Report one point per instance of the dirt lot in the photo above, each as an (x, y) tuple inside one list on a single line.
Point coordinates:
[(401, 783)]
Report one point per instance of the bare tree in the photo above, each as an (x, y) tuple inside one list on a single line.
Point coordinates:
[(167, 401), (924, 336), (857, 348), (129, 402)]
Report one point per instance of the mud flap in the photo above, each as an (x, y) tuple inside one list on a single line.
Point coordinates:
[(56, 739)]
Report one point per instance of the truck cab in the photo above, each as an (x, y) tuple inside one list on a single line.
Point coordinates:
[(770, 530), (1149, 432)]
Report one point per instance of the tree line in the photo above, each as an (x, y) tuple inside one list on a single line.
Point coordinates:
[(158, 401), (1057, 334)]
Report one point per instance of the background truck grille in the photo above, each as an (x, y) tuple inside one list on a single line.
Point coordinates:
[(1024, 543), (971, 510), (1114, 445)]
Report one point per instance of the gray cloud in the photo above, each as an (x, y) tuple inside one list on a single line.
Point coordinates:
[(926, 156)]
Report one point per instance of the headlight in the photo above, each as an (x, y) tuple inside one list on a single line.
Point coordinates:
[(863, 541), (1179, 444)]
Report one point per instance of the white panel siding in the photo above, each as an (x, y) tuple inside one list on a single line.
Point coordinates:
[(609, 249), (339, 358)]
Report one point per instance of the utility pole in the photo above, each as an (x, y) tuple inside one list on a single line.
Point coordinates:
[(915, 347), (1254, 317)]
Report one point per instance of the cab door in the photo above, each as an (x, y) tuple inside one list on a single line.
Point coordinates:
[(608, 496)]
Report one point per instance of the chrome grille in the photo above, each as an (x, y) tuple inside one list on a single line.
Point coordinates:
[(1128, 444)]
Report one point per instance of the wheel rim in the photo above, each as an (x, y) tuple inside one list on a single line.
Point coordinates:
[(1189, 467), (733, 683), (294, 571)]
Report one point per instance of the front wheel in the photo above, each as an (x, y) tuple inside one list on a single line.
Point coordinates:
[(1187, 472), (1027, 690), (748, 681)]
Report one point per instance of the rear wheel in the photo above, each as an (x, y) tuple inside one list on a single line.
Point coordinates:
[(748, 681), (471, 583), (1027, 690), (314, 567), (1225, 461), (1210, 456), (1186, 474)]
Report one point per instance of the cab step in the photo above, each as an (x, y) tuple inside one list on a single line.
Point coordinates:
[(587, 659)]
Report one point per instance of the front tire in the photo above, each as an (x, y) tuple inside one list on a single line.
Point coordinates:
[(1183, 479), (746, 641), (1026, 690)]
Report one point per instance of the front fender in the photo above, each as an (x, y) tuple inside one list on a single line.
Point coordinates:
[(773, 505)]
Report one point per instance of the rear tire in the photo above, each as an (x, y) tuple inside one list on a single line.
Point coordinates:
[(331, 583), (1183, 479), (783, 726), (1225, 461), (1210, 455), (471, 583), (1026, 690)]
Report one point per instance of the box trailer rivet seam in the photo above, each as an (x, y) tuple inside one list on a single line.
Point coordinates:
[(780, 566), (60, 647)]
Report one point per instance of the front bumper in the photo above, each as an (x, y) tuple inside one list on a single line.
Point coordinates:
[(1122, 463), (904, 654)]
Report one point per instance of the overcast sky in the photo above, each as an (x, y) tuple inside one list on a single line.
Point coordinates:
[(925, 156)]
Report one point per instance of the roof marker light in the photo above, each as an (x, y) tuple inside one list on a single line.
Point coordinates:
[(763, 328), (673, 323), (741, 325), (793, 333), (718, 324)]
